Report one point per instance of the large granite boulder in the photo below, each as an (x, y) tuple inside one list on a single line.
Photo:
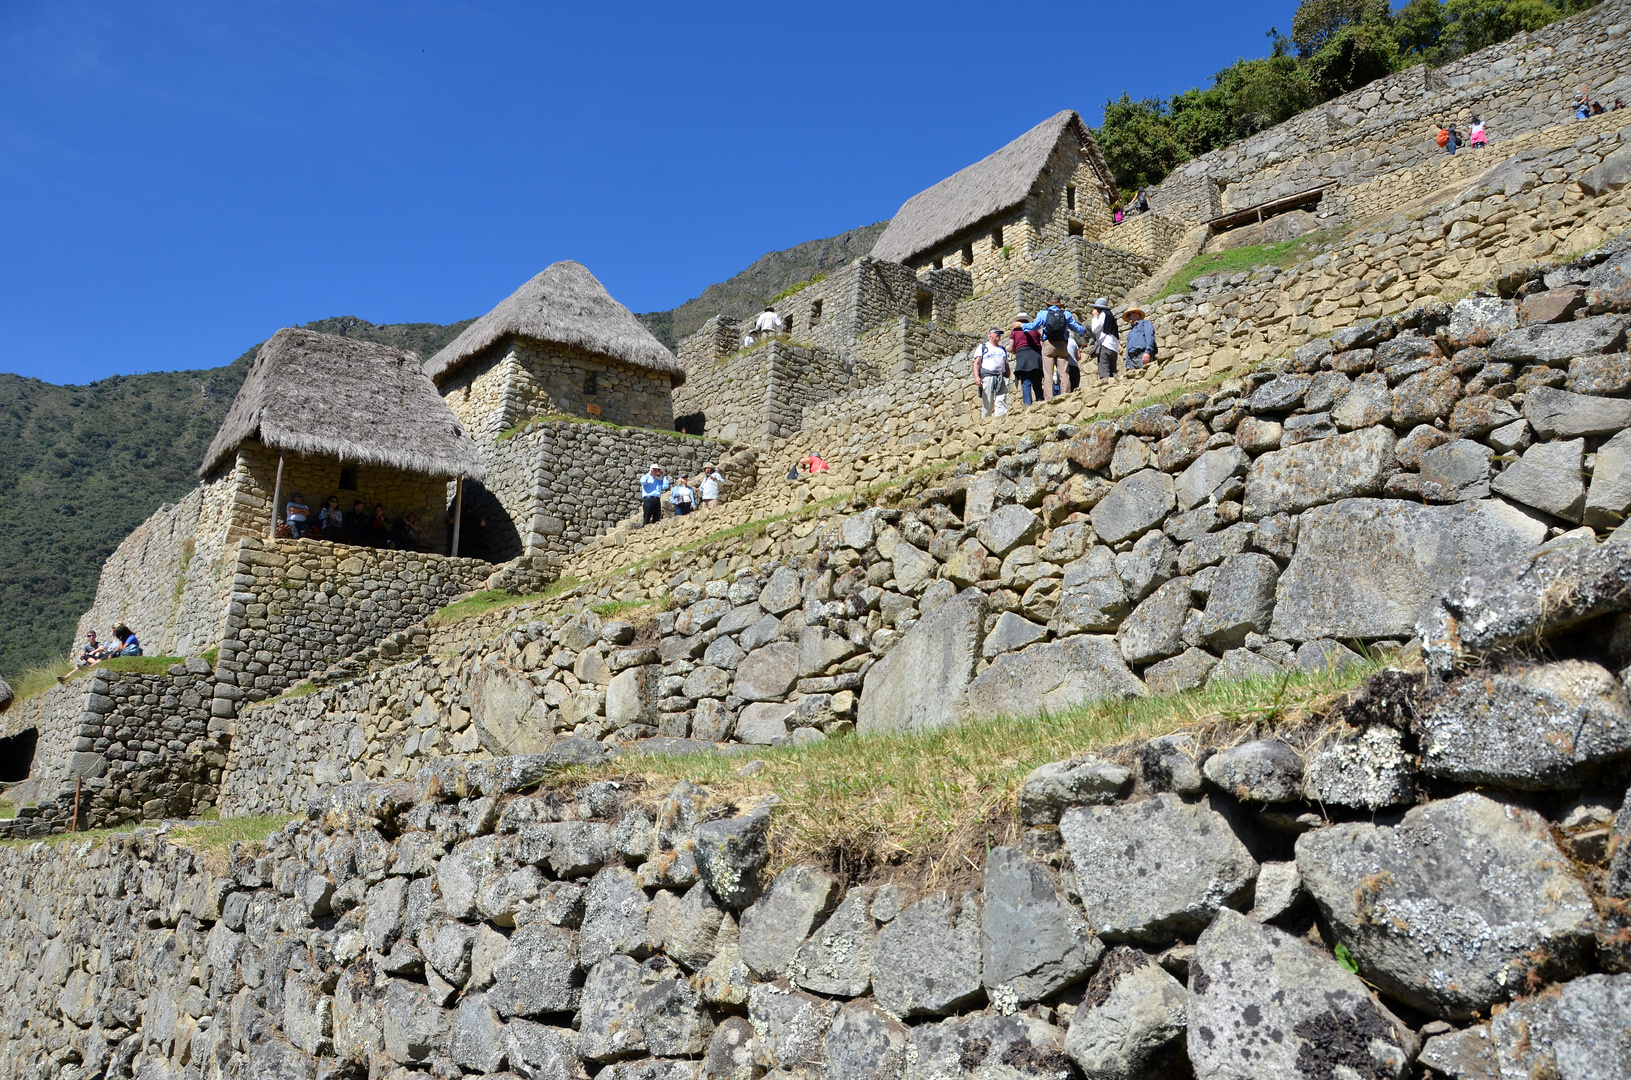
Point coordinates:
[(767, 673), (921, 684), (1152, 870), (987, 1047), (508, 715), (1050, 677), (836, 960), (1322, 471), (1364, 568), (1457, 907), (1264, 1005), (1531, 727), (772, 929), (1136, 504), (1578, 1029), (927, 960)]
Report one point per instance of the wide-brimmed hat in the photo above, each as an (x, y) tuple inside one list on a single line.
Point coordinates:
[(1024, 316), (1134, 312), (655, 467), (1103, 303)]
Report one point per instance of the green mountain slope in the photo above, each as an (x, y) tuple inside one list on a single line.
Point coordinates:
[(746, 293)]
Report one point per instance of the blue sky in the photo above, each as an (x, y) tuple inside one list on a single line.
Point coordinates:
[(178, 180)]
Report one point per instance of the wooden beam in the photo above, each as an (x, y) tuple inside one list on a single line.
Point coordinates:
[(277, 496), (1266, 209), (458, 512)]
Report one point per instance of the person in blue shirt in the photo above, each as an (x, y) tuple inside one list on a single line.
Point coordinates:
[(1140, 339), (128, 645), (652, 486), (1055, 325)]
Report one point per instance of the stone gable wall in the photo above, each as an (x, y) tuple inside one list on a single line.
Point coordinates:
[(142, 581), (521, 379)]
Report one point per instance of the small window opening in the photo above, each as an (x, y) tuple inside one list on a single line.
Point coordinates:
[(17, 756), (591, 384), (815, 313), (968, 254), (348, 479), (940, 264), (1070, 198), (996, 237), (466, 391), (925, 305), (1076, 228)]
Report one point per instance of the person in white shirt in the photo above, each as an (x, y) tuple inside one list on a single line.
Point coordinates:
[(768, 322), (1106, 337), (991, 375), (709, 487)]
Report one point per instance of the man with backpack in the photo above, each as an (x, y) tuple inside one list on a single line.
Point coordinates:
[(1056, 325)]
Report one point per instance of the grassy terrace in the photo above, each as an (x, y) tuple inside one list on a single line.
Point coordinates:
[(1284, 254), (924, 805)]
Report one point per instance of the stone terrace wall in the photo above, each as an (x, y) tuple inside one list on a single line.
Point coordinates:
[(561, 483), (144, 747), (1149, 915), (897, 350), (1518, 86), (1529, 206), (143, 579), (298, 606), (290, 750), (1248, 531)]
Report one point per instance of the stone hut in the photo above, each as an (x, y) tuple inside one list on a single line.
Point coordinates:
[(558, 344), (1049, 184), (326, 415)]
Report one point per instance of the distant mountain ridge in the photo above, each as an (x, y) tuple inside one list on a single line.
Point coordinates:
[(84, 465)]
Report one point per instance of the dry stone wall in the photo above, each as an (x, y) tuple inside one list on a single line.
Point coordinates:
[(520, 379), (298, 606), (142, 580), (559, 483), (1519, 86), (120, 747), (1161, 910)]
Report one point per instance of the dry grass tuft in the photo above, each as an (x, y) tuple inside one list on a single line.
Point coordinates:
[(926, 805)]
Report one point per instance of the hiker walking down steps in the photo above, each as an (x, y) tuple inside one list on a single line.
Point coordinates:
[(1056, 325), (652, 486)]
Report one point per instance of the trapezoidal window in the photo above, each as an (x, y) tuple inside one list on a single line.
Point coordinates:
[(925, 305), (1076, 228), (17, 755), (968, 254), (591, 384), (996, 237), (1070, 198), (940, 264), (348, 479), (815, 313)]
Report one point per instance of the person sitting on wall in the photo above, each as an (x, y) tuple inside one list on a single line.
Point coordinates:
[(295, 515), (128, 645), (768, 322), (93, 651), (683, 498), (406, 535), (379, 527), (356, 524), (812, 463), (1140, 338), (331, 519)]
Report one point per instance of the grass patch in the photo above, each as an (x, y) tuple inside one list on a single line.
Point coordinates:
[(214, 837), (212, 656), (1233, 260), (611, 609), (797, 287), (919, 803), (7, 809), (36, 680), (298, 690), (489, 600)]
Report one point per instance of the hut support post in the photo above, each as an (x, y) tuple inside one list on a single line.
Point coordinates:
[(277, 495), (458, 512)]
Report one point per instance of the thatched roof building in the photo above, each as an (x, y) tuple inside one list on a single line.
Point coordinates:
[(987, 189), (566, 305), (318, 394)]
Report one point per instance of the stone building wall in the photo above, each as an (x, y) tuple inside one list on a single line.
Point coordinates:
[(1518, 86), (899, 349), (852, 300), (730, 392), (560, 483), (519, 379), (201, 607), (140, 746), (142, 581), (298, 606), (719, 336)]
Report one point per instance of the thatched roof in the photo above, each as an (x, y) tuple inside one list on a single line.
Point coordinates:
[(312, 393), (991, 186), (565, 305)]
